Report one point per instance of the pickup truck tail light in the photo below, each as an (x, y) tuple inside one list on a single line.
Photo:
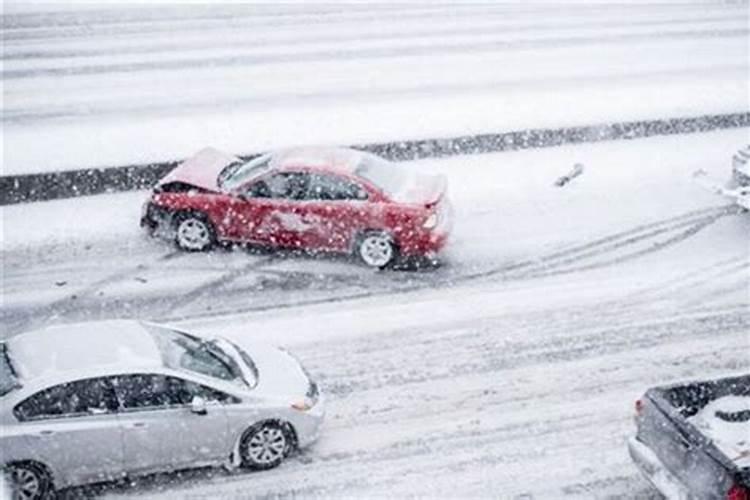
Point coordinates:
[(638, 407), (737, 492)]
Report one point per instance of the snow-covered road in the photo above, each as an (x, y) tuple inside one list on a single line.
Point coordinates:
[(509, 372)]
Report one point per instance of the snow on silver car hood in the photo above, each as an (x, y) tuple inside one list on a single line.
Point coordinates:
[(279, 373)]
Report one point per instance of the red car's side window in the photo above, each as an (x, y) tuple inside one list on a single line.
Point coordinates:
[(283, 185), (334, 187)]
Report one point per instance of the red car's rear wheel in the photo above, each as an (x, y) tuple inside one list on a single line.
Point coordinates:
[(376, 249)]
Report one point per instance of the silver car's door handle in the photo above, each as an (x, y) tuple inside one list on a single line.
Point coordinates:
[(136, 425), (46, 432)]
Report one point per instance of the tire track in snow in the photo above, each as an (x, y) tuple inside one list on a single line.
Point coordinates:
[(218, 283), (487, 420), (738, 266), (15, 321), (271, 289), (31, 28), (417, 31), (545, 265), (371, 53)]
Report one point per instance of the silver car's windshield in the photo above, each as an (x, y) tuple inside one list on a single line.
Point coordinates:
[(383, 174), (181, 351), (235, 175)]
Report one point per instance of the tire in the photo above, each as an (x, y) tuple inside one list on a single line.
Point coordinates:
[(28, 481), (264, 446), (376, 249), (194, 232)]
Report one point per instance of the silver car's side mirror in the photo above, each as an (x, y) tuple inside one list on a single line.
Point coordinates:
[(198, 405)]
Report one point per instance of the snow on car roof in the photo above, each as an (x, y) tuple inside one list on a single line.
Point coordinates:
[(107, 345), (335, 158)]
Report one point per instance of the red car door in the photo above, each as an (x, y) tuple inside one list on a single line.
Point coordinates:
[(335, 211), (267, 210)]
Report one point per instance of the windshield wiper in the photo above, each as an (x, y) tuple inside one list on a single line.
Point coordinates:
[(229, 348)]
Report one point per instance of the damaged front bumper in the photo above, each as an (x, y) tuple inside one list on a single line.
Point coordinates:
[(155, 218)]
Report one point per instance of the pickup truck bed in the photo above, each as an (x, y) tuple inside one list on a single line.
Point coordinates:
[(693, 439)]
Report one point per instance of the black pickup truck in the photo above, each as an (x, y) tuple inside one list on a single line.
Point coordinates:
[(693, 439)]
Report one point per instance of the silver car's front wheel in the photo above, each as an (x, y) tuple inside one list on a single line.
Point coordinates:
[(264, 446), (27, 482), (376, 249), (194, 232)]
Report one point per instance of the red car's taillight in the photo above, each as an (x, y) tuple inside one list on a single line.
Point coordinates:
[(737, 492)]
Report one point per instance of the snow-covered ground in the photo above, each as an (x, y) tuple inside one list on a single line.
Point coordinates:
[(511, 371), (110, 87)]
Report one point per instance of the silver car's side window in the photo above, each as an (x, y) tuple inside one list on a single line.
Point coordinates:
[(74, 399), (154, 391)]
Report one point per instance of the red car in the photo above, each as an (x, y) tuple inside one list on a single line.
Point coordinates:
[(315, 199)]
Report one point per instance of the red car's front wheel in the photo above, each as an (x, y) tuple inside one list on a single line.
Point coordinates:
[(194, 232)]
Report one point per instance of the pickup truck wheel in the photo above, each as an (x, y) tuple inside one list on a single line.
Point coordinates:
[(28, 481), (194, 232), (376, 249)]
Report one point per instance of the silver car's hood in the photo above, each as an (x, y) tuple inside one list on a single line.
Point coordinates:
[(279, 373)]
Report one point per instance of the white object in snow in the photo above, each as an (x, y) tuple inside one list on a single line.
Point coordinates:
[(739, 195), (572, 174)]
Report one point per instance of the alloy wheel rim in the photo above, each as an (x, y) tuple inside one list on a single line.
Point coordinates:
[(376, 250), (267, 445), (26, 484), (193, 234)]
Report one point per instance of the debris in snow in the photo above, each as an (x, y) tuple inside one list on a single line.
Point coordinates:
[(574, 172), (61, 283), (726, 421)]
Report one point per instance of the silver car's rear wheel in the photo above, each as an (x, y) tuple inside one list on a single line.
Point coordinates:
[(27, 481), (264, 446), (376, 249), (194, 232)]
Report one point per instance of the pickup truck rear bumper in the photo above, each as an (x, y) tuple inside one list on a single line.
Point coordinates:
[(656, 473)]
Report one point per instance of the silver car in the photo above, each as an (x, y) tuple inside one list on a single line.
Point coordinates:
[(98, 401)]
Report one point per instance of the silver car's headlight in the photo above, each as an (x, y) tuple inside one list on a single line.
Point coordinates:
[(305, 404), (310, 399), (431, 221)]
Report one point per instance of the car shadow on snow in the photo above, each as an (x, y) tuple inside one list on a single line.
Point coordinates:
[(408, 264), (157, 483)]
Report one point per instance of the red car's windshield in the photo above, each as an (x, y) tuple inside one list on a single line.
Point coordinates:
[(237, 174)]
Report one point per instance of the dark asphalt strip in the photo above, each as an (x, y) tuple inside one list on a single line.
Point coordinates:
[(90, 181)]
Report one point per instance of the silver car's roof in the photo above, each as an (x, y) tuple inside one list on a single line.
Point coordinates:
[(58, 351)]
